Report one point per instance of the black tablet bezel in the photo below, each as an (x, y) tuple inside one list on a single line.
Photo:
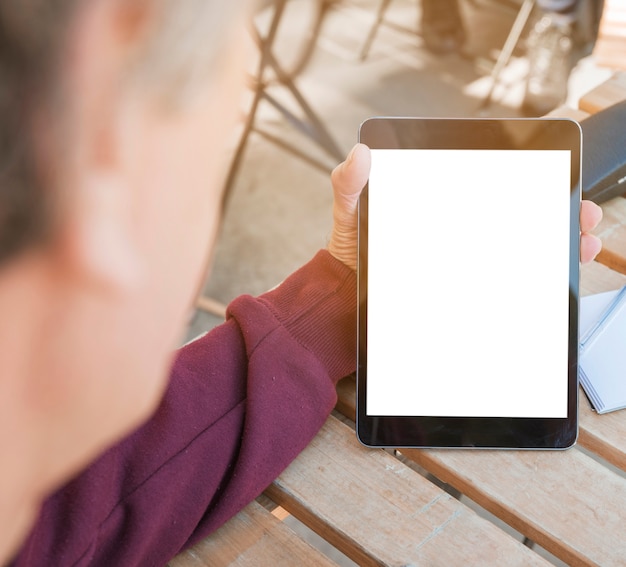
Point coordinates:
[(462, 432)]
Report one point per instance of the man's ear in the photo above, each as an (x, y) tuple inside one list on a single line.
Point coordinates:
[(97, 236), (98, 243)]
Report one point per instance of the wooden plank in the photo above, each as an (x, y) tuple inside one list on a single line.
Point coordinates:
[(608, 93), (380, 512), (612, 232), (346, 402), (346, 397), (211, 306), (564, 500), (604, 435), (609, 52), (568, 112), (597, 278), (252, 537), (611, 42)]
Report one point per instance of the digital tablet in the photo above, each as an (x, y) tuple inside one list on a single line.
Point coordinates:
[(468, 283)]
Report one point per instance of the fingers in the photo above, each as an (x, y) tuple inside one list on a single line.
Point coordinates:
[(590, 216), (590, 247)]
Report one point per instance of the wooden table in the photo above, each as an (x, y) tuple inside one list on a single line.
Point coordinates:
[(383, 509)]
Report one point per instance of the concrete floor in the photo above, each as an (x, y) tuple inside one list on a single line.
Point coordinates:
[(279, 213)]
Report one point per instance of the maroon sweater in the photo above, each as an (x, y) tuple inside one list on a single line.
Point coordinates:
[(243, 401)]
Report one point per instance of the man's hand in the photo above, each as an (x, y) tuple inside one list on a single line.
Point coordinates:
[(590, 245), (349, 178)]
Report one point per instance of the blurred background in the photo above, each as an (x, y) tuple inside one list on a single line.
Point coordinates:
[(323, 66)]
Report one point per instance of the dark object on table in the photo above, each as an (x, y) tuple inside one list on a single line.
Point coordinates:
[(604, 154)]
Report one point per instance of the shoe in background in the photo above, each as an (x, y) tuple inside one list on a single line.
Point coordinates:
[(551, 58)]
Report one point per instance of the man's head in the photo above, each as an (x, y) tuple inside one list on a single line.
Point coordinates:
[(113, 115)]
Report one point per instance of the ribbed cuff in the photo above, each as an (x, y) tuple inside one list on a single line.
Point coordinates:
[(317, 305)]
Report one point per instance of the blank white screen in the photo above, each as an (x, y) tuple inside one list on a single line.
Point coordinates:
[(468, 278)]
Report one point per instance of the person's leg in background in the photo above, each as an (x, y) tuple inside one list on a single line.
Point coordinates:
[(550, 56), (566, 30), (554, 44), (442, 26)]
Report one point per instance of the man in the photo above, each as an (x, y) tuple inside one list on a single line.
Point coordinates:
[(113, 116)]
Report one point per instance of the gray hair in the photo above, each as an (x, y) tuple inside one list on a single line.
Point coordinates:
[(185, 41)]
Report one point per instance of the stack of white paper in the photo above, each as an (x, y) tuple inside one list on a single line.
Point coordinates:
[(602, 362)]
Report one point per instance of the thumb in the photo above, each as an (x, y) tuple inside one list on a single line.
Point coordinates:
[(348, 179)]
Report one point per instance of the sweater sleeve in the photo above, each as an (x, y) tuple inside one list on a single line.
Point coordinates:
[(242, 402)]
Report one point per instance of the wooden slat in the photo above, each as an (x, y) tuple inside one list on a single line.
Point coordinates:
[(604, 435), (564, 500), (253, 537), (346, 403), (211, 306), (568, 112), (346, 397), (608, 93), (611, 42), (609, 52), (597, 278), (612, 232), (380, 512)]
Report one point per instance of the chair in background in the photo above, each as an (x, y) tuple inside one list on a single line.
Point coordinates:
[(272, 74)]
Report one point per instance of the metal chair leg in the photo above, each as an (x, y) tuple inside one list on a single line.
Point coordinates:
[(507, 50), (374, 29), (310, 126)]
